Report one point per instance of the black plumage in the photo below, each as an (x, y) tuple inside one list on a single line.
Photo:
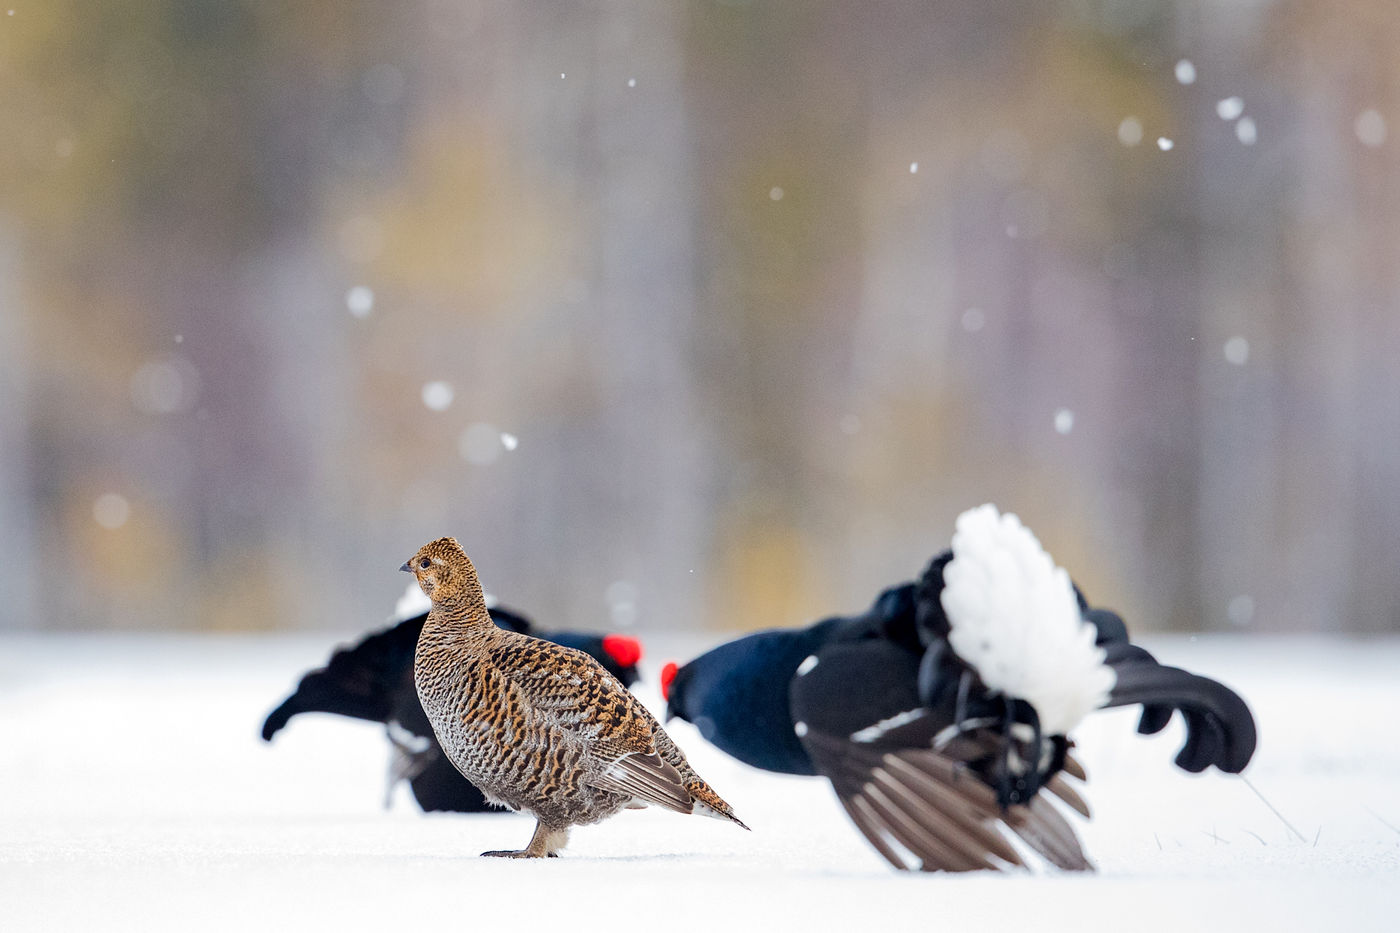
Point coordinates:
[(736, 695), (373, 680), (927, 760)]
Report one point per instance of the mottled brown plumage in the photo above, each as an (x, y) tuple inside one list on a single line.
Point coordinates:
[(539, 727)]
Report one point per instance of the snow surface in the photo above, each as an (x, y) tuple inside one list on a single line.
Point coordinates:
[(138, 796)]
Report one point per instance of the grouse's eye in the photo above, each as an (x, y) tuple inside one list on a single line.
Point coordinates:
[(424, 563)]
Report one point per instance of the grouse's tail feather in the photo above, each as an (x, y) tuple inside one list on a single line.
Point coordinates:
[(708, 803), (1015, 619), (1219, 725), (649, 779)]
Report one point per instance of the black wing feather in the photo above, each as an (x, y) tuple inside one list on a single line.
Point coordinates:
[(901, 792)]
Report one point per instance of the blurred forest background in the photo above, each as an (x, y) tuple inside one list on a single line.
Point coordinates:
[(696, 313)]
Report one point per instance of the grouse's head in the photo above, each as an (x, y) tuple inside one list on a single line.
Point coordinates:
[(443, 571)]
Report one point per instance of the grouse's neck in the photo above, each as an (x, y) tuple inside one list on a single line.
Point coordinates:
[(458, 614)]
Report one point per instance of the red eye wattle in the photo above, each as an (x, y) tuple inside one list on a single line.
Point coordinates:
[(668, 674), (624, 650)]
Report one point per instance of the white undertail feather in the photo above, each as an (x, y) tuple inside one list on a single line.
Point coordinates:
[(1013, 616), (704, 809), (413, 602)]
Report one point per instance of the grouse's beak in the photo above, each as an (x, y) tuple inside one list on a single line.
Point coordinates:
[(405, 568)]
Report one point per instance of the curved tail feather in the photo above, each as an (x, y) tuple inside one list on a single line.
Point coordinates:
[(1220, 728)]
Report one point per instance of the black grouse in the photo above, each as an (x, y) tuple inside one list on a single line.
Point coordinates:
[(942, 713), (373, 680)]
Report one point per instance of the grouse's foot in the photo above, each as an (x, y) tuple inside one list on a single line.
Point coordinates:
[(545, 843)]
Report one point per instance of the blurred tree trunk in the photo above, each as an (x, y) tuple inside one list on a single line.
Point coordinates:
[(778, 108), (1300, 516), (18, 543), (610, 483)]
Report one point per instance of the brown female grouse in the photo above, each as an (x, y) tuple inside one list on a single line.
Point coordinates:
[(536, 726)]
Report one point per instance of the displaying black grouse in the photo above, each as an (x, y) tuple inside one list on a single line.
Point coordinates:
[(373, 680), (942, 713)]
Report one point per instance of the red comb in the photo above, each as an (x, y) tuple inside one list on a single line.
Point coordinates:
[(668, 674), (622, 649)]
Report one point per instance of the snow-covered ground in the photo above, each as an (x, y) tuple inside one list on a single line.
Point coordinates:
[(136, 794)]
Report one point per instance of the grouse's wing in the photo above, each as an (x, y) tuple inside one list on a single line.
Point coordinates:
[(905, 797), (597, 646), (571, 693), (362, 681), (570, 690), (618, 654), (373, 678), (647, 778)]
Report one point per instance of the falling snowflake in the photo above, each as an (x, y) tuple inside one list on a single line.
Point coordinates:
[(1164, 144), (622, 599), (1246, 132), (438, 395), (1370, 128), (1241, 610), (1230, 108), (479, 444), (1237, 351), (165, 386), (360, 301), (1185, 72), (111, 510), (1064, 421), (1130, 131)]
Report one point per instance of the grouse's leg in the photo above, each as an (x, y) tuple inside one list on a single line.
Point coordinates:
[(546, 842)]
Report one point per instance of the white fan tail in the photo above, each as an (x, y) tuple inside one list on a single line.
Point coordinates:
[(1013, 616)]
